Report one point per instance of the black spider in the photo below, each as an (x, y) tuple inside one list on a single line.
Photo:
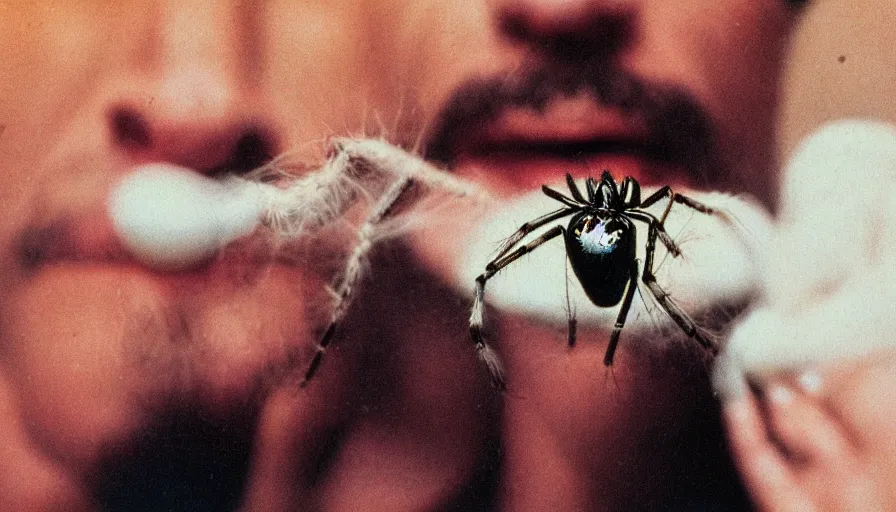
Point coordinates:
[(600, 243)]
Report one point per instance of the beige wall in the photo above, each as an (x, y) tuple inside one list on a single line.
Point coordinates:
[(844, 64)]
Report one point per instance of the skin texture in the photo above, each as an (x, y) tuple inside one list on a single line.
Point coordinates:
[(111, 373), (819, 439), (124, 388)]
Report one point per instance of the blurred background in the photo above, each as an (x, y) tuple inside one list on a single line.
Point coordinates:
[(843, 65)]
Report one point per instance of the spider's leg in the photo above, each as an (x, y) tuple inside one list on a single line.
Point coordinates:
[(657, 225), (371, 159), (557, 196), (623, 313), (354, 267), (531, 226), (572, 323), (574, 189), (675, 197), (591, 188), (353, 168), (485, 352), (665, 301), (656, 196), (691, 203)]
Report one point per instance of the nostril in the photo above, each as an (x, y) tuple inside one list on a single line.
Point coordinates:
[(213, 146), (252, 150), (581, 32), (129, 128), (514, 27)]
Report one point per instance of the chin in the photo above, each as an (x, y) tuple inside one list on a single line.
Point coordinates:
[(211, 338)]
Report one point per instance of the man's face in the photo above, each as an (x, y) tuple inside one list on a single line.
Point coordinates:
[(91, 90)]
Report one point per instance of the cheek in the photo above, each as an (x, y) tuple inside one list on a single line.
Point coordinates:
[(77, 322), (727, 53), (89, 349), (744, 60), (333, 67), (53, 60), (447, 43), (729, 56), (51, 51), (62, 338), (370, 67)]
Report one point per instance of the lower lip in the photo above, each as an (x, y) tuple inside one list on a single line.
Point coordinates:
[(511, 174)]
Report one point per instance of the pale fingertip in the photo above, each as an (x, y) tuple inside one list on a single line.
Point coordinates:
[(810, 381)]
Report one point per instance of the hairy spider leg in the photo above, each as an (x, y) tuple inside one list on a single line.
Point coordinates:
[(657, 224), (345, 291), (486, 354), (383, 158), (675, 197), (324, 195), (591, 188), (630, 193), (531, 226), (664, 300), (557, 196), (606, 194), (572, 323), (623, 314), (364, 160), (574, 189)]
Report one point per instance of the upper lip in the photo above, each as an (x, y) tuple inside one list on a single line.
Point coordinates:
[(579, 114)]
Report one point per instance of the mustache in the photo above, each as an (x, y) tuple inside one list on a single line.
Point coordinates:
[(681, 131)]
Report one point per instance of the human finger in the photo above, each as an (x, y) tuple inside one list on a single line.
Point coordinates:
[(808, 434), (764, 469)]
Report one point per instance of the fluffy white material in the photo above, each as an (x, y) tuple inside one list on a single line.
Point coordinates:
[(170, 217), (717, 262), (829, 275)]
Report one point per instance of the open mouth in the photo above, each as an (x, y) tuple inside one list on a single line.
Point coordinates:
[(568, 150), (519, 131), (522, 148)]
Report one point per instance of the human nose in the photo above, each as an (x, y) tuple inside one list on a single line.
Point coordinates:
[(192, 94), (574, 29)]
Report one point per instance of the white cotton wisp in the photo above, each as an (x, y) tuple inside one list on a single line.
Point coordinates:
[(170, 217), (828, 284)]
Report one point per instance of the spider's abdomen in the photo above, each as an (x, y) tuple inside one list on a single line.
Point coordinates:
[(601, 251)]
